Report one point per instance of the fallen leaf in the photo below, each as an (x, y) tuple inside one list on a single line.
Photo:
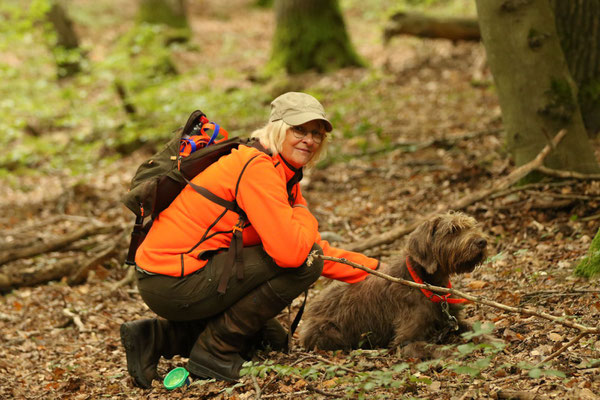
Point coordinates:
[(477, 285), (555, 337)]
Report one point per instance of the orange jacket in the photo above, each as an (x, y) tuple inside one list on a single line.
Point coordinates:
[(178, 242)]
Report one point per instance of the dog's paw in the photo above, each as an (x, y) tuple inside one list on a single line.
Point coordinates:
[(423, 351)]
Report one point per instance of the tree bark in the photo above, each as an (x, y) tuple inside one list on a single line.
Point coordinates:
[(311, 34), (578, 27), (536, 92), (67, 43), (589, 266), (166, 12), (171, 13)]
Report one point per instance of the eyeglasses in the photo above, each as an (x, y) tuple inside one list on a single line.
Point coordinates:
[(300, 132)]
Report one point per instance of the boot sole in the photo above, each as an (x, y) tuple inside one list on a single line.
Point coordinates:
[(133, 366), (201, 371)]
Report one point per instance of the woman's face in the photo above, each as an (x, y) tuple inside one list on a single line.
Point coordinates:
[(301, 142)]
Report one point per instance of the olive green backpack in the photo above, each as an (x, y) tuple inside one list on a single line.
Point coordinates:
[(163, 176)]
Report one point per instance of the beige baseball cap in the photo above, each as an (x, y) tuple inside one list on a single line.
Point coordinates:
[(296, 108)]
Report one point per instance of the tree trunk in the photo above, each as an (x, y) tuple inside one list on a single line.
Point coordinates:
[(536, 92), (65, 49), (165, 12), (578, 27), (589, 266), (311, 34), (171, 13)]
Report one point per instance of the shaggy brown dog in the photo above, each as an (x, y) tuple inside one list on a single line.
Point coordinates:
[(379, 313)]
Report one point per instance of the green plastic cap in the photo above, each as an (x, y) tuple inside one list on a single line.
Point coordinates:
[(176, 378)]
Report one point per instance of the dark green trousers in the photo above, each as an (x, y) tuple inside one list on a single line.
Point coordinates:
[(195, 296)]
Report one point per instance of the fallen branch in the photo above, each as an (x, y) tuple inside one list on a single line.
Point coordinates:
[(18, 276), (567, 174), (502, 184), (415, 24), (519, 310), (81, 274), (59, 243)]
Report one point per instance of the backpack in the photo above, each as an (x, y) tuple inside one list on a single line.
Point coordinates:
[(163, 176)]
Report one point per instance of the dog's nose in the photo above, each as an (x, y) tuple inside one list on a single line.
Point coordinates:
[(481, 243)]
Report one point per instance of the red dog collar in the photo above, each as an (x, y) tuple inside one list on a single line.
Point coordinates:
[(434, 297)]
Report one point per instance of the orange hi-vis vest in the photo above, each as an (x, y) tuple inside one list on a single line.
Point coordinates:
[(193, 228)]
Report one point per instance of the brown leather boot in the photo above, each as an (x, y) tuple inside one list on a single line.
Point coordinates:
[(216, 353), (145, 341)]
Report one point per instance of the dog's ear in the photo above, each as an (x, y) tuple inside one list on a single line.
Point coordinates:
[(420, 244)]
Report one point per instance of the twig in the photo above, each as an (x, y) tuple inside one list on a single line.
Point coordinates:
[(562, 196), (567, 174), (256, 387), (350, 231), (530, 186), (322, 392), (590, 218), (575, 292), (129, 278), (296, 394), (557, 352), (519, 310), (462, 203), (75, 318), (326, 361)]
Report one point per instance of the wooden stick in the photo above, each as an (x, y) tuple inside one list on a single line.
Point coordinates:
[(326, 361), (502, 184), (75, 318), (567, 174), (61, 242), (566, 346), (481, 300)]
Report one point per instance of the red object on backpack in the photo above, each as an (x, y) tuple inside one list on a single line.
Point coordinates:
[(203, 138)]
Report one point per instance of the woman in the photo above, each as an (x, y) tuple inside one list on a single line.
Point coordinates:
[(184, 269)]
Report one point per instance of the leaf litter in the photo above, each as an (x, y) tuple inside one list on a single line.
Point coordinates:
[(62, 341)]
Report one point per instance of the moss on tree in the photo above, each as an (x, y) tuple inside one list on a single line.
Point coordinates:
[(560, 101), (590, 265), (169, 13), (311, 35)]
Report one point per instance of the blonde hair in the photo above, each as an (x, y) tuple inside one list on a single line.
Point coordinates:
[(273, 134)]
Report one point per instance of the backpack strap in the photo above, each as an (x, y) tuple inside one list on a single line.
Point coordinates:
[(137, 235), (234, 254)]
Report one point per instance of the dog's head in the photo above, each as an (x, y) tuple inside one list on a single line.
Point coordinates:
[(451, 241)]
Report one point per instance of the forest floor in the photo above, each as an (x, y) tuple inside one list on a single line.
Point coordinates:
[(61, 340)]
